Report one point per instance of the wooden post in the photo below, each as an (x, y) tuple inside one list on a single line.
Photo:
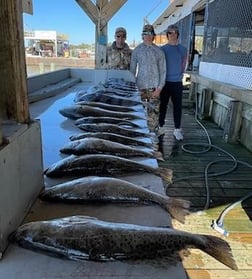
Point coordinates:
[(233, 122), (100, 14), (13, 89)]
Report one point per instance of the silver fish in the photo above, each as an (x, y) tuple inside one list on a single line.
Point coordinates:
[(110, 189), (113, 137), (104, 119), (86, 238), (103, 146), (107, 106), (100, 164), (76, 111), (112, 128), (106, 98)]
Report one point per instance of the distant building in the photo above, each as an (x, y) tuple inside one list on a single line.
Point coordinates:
[(46, 43)]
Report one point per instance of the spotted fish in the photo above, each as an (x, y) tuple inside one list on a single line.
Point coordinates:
[(114, 137), (86, 238), (102, 146), (103, 165)]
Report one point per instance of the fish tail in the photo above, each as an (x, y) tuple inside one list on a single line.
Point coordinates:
[(178, 208), (220, 250), (166, 175), (158, 155)]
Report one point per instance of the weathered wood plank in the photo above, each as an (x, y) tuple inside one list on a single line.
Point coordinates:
[(223, 190), (13, 91)]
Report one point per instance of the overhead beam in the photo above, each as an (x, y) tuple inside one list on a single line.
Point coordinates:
[(100, 13), (89, 8)]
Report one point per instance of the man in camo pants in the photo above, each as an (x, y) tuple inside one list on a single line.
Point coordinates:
[(149, 66)]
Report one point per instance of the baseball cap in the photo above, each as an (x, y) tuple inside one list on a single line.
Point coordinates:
[(148, 28), (121, 30), (172, 27)]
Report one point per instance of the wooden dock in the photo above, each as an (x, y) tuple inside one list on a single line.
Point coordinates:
[(198, 164)]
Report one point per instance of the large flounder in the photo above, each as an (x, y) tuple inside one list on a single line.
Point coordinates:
[(83, 238), (103, 146), (110, 189), (103, 165)]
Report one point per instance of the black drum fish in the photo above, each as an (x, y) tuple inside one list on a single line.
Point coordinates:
[(103, 165), (110, 189), (87, 238)]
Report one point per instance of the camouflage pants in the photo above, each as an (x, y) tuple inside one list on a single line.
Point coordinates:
[(152, 109)]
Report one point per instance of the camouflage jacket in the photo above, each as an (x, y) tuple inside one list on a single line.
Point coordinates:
[(118, 58)]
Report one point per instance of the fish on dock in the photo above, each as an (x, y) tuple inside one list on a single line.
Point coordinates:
[(103, 165), (77, 111), (107, 98), (113, 137), (103, 146), (107, 106), (109, 189), (104, 119), (88, 238), (113, 128)]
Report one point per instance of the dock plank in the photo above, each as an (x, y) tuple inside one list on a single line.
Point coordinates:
[(189, 172)]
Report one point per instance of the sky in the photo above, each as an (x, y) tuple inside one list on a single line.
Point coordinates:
[(67, 17)]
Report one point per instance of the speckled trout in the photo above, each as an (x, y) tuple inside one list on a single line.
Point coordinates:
[(113, 137), (103, 119), (76, 111), (107, 106), (86, 238), (103, 165), (106, 98), (112, 128), (110, 189), (103, 146)]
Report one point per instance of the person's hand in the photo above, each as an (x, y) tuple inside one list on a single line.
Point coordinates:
[(156, 93)]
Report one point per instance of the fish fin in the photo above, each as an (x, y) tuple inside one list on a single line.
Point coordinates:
[(178, 208), (158, 155), (220, 250), (166, 174)]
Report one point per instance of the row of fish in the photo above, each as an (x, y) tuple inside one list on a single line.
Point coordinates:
[(98, 156)]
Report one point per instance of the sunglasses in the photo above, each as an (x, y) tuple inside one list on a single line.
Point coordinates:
[(172, 32), (120, 36), (147, 33)]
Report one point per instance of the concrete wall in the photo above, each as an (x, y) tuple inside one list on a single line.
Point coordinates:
[(37, 82), (21, 175), (96, 76)]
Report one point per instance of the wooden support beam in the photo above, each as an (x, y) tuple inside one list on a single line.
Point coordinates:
[(13, 89), (100, 14), (233, 122), (89, 8)]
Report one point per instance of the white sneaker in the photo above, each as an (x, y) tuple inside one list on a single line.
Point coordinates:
[(178, 134), (161, 131)]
